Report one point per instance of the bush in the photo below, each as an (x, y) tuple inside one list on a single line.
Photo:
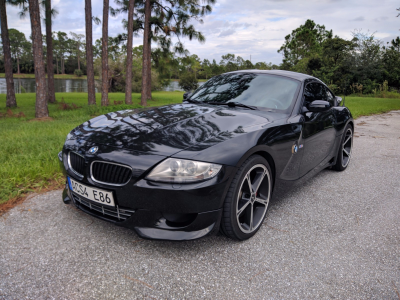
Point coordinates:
[(78, 73), (117, 79), (188, 82)]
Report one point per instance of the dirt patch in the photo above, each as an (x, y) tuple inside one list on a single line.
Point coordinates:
[(10, 114), (13, 202)]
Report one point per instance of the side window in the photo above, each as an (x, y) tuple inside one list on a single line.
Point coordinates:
[(330, 97), (314, 91)]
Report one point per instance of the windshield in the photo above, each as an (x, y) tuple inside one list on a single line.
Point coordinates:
[(261, 90)]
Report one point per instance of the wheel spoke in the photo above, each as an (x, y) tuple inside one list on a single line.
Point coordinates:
[(257, 181), (262, 201), (243, 208), (251, 217), (249, 182), (347, 140), (347, 153)]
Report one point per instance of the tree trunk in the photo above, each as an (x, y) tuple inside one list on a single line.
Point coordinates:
[(18, 71), (77, 55), (11, 101), (146, 68), (89, 53), (51, 97), (104, 55), (37, 46), (128, 86), (57, 64)]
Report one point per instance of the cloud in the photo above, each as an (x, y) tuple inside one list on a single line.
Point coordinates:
[(380, 19), (359, 19), (227, 32)]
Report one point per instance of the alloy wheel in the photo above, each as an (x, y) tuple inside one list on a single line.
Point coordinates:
[(253, 198), (347, 147)]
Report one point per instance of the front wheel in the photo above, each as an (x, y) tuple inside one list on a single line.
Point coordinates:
[(345, 150), (247, 200)]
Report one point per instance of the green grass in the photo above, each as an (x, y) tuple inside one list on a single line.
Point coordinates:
[(363, 106), (56, 76), (28, 149)]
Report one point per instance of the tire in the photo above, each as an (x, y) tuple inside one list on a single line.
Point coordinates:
[(246, 204), (345, 150)]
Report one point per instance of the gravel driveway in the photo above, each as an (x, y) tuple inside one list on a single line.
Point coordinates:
[(337, 237)]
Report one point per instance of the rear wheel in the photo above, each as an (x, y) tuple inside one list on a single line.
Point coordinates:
[(345, 150), (247, 200)]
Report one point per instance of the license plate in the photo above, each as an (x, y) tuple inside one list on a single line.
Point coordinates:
[(94, 194)]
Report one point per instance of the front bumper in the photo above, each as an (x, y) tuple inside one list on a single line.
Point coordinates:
[(151, 224), (154, 210)]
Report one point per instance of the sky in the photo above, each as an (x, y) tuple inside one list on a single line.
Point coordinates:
[(251, 29)]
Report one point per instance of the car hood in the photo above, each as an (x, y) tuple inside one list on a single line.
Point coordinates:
[(169, 129)]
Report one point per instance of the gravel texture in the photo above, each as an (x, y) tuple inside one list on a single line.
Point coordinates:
[(337, 237)]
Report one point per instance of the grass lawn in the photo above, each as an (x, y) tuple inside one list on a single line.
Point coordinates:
[(29, 148), (56, 76)]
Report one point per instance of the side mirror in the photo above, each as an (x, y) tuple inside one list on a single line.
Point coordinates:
[(319, 105), (338, 100), (187, 95)]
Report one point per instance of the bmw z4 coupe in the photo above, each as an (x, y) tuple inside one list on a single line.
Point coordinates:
[(211, 163)]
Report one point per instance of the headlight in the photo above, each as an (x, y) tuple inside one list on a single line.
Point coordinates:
[(181, 171)]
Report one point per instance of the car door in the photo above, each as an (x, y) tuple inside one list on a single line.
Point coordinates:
[(318, 133)]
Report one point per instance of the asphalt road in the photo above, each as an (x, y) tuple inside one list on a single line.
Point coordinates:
[(337, 237)]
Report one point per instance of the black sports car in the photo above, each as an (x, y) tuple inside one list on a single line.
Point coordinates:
[(184, 171)]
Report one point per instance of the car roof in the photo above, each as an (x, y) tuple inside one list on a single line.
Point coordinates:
[(290, 74)]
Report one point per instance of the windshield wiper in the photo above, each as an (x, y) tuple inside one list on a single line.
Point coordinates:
[(234, 104), (192, 101)]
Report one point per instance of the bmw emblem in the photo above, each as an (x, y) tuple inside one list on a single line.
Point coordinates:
[(295, 148), (93, 150)]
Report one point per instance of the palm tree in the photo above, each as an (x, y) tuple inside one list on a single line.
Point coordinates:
[(128, 87), (49, 43), (40, 75), (104, 55), (11, 101), (89, 53), (146, 68)]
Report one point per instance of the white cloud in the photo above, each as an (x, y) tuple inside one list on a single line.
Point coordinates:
[(253, 27)]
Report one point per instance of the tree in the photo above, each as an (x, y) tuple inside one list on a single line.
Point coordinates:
[(104, 55), (40, 75), (167, 19), (49, 43), (89, 53), (62, 46), (10, 98), (206, 68), (303, 42), (391, 63), (146, 69), (77, 38), (17, 42), (188, 82), (128, 87), (229, 62)]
